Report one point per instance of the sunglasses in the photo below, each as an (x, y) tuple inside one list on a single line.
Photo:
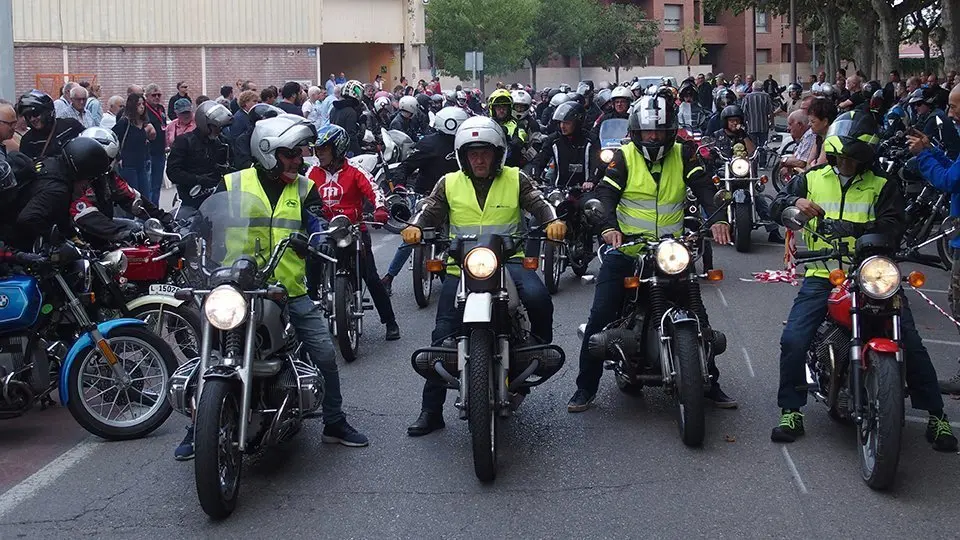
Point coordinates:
[(290, 152)]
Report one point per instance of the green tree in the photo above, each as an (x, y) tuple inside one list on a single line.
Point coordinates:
[(499, 28), (691, 45), (560, 26), (622, 37)]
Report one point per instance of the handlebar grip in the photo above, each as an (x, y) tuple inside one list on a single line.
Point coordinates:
[(804, 254)]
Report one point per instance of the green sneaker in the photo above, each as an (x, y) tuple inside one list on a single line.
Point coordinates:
[(940, 435), (790, 427)]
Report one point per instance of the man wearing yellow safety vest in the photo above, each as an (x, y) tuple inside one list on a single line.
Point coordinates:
[(849, 189), (500, 108), (483, 196), (277, 145), (643, 192)]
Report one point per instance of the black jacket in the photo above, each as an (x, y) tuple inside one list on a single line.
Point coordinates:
[(33, 141), (705, 96), (346, 114), (429, 156), (196, 165), (412, 126), (40, 200), (593, 112), (92, 210), (577, 159), (945, 132)]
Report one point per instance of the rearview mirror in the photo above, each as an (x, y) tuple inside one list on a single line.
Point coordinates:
[(794, 219), (593, 211), (153, 229)]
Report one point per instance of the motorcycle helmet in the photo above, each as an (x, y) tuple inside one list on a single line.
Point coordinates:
[(212, 114), (621, 92), (794, 88), (499, 97), (449, 119), (724, 98), (8, 180), (336, 137), (570, 111), (564, 87), (86, 158), (36, 104), (688, 89), (521, 104), (877, 102), (263, 110), (556, 100), (603, 96), (450, 97), (461, 98), (853, 134), (870, 87), (636, 89), (423, 101), (480, 132), (352, 89), (653, 114), (106, 137), (408, 104), (283, 131), (380, 104), (728, 112), (585, 88), (436, 102)]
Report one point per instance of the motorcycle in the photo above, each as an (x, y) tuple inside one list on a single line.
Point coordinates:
[(855, 364), (113, 375), (576, 251), (252, 384), (382, 164), (660, 340), (739, 178), (613, 134)]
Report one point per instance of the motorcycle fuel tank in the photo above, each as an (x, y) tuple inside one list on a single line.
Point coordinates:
[(838, 306), (20, 302), (141, 266)]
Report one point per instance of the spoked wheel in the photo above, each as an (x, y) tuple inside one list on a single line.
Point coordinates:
[(688, 394), (217, 441), (179, 326), (553, 265), (482, 417), (346, 325), (114, 409), (947, 253), (742, 226), (422, 278), (880, 434)]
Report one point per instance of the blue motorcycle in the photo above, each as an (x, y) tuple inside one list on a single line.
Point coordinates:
[(112, 376)]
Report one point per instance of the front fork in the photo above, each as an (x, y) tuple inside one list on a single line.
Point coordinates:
[(858, 359)]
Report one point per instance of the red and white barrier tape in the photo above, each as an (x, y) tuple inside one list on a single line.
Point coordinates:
[(789, 273), (935, 306)]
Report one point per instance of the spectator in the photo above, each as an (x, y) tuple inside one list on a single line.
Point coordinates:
[(738, 86), (378, 82), (369, 91), (269, 95), (226, 95), (331, 82), (181, 93), (135, 133), (341, 79), (241, 124), (889, 91), (325, 107), (183, 123), (114, 105), (818, 87), (200, 99), (704, 92), (8, 129), (434, 86), (291, 102), (771, 86), (749, 83), (799, 127), (244, 86), (157, 117), (943, 94), (314, 94), (94, 107), (758, 114), (78, 107), (61, 105), (821, 113), (134, 89), (951, 81), (912, 84), (854, 94)]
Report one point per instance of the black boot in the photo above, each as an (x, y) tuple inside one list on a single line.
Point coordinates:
[(427, 422), (393, 331)]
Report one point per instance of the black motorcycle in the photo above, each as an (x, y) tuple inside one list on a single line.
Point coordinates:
[(576, 251)]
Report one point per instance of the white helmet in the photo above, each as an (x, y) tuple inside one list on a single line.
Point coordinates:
[(480, 131), (408, 104), (449, 119), (107, 139), (283, 131), (652, 90), (381, 103), (621, 92), (556, 100), (521, 97)]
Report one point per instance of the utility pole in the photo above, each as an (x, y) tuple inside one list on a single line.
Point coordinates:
[(7, 84), (753, 32), (793, 41)]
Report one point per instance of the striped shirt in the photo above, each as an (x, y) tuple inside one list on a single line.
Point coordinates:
[(757, 110)]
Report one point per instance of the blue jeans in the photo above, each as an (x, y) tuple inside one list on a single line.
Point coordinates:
[(311, 328), (137, 176), (809, 309), (535, 297), (158, 162), (399, 259)]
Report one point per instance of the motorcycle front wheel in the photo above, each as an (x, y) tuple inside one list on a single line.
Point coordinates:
[(482, 418), (344, 306), (216, 440), (688, 392), (879, 435), (947, 254), (179, 326), (553, 265), (422, 279), (742, 226)]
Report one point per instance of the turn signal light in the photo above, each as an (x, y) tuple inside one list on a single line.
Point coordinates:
[(179, 264), (837, 277), (715, 275), (916, 279), (435, 266), (716, 179), (631, 282), (764, 179), (531, 263)]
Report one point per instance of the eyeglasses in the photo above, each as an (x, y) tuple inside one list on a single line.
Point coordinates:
[(290, 152)]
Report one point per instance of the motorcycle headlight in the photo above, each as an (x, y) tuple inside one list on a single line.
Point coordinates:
[(115, 261), (344, 237), (740, 167), (879, 277), (672, 257), (606, 155), (480, 263), (555, 197), (225, 308)]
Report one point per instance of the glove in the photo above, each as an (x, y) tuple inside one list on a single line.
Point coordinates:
[(556, 230), (843, 228), (411, 235), (138, 237), (380, 215)]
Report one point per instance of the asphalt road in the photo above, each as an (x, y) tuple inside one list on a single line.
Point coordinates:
[(616, 471)]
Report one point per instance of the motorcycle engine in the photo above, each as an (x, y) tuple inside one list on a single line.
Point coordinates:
[(280, 386), (834, 336), (33, 364)]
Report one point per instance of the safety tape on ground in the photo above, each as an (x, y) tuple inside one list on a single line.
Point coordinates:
[(935, 306)]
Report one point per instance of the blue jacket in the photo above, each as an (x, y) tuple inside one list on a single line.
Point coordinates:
[(944, 175)]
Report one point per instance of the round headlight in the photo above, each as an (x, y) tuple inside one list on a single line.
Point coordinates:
[(480, 263), (115, 261), (672, 257), (740, 167), (555, 197), (879, 277), (225, 308), (606, 155)]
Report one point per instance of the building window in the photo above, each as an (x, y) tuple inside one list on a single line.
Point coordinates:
[(709, 17), (672, 17), (671, 57), (762, 23), (763, 56), (785, 52)]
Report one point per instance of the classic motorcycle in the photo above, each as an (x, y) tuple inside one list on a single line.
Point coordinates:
[(252, 384), (660, 340), (739, 178), (855, 364), (395, 148), (114, 374), (576, 251)]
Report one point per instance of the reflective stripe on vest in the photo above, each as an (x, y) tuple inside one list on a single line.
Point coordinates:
[(500, 213), (857, 205), (649, 207), (269, 229)]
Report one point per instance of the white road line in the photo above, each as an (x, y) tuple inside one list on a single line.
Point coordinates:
[(938, 291), (920, 420), (722, 297), (746, 356), (793, 470), (46, 476), (941, 342)]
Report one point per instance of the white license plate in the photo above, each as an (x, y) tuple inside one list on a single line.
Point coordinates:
[(168, 290)]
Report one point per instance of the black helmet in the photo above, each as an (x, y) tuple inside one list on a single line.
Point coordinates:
[(7, 179), (730, 111), (263, 110), (877, 102), (35, 104), (654, 113), (423, 101), (725, 97), (870, 87), (688, 89), (86, 158), (794, 87), (570, 111), (853, 134)]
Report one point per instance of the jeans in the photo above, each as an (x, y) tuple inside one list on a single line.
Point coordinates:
[(137, 176), (311, 327), (370, 276), (158, 162), (399, 259), (808, 311), (535, 297), (760, 138)]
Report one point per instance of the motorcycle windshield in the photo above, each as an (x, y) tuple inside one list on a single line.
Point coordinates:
[(402, 142), (226, 223), (612, 132)]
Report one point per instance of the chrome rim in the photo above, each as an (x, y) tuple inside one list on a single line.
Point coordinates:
[(123, 405), (228, 450), (557, 263), (426, 280), (869, 432), (176, 331)]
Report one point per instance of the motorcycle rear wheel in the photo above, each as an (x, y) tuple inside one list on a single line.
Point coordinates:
[(879, 437), (422, 279), (742, 226), (216, 440), (688, 392), (947, 253), (344, 306), (481, 416)]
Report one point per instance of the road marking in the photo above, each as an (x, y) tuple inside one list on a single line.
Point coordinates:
[(722, 297), (746, 356), (938, 291), (920, 420), (46, 476), (941, 342), (793, 470)]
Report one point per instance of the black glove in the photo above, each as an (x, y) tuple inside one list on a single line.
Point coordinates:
[(842, 228)]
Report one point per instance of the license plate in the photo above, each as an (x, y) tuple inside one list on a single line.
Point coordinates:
[(167, 290)]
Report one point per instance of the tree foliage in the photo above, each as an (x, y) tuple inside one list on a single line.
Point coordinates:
[(624, 37), (691, 45), (561, 27)]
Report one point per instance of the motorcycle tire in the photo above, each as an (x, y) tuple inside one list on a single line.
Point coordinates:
[(344, 306), (947, 254), (189, 316), (879, 448), (552, 265), (742, 226), (422, 279), (581, 264), (481, 417), (159, 411), (688, 393), (216, 443)]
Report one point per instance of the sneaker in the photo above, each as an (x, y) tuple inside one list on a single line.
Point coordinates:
[(387, 281), (580, 401), (940, 435), (720, 399), (343, 433), (393, 331), (184, 451), (790, 427), (951, 386)]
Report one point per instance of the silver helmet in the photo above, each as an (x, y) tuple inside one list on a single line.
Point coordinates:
[(449, 119), (106, 137), (283, 131), (480, 131), (211, 114)]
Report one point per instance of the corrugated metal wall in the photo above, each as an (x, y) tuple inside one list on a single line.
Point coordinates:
[(211, 22)]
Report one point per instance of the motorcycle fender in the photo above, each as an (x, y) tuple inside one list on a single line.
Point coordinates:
[(478, 308), (883, 345), (221, 372), (741, 196), (154, 299), (85, 341)]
